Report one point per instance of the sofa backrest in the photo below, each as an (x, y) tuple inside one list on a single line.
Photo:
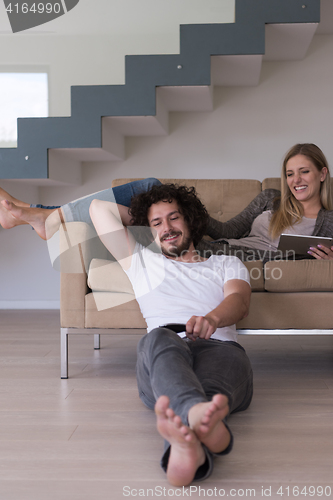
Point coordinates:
[(223, 198), (271, 183)]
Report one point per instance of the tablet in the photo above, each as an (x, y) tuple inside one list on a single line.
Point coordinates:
[(300, 244)]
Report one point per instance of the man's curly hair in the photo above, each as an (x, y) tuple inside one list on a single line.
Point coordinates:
[(194, 212)]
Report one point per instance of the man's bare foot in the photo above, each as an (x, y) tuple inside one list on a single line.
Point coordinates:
[(205, 419), (186, 453), (45, 221)]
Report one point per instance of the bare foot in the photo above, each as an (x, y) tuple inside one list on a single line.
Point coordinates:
[(186, 453), (44, 221), (206, 421), (7, 220), (6, 196)]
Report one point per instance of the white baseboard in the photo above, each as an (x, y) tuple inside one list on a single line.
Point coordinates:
[(29, 304)]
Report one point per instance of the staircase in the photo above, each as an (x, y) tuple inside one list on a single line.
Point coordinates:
[(50, 150)]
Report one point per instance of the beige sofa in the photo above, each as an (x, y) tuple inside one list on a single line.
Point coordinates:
[(289, 297)]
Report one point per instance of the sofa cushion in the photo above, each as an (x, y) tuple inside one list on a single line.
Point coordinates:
[(299, 276), (301, 311), (125, 315), (256, 271), (108, 300), (108, 276)]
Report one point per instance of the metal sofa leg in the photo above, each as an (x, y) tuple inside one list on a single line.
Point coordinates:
[(64, 352), (97, 342)]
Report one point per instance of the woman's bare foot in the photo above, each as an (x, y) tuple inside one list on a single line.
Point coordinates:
[(205, 419), (186, 453), (7, 220), (6, 196), (45, 221)]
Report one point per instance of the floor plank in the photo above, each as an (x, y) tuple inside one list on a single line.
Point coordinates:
[(90, 437)]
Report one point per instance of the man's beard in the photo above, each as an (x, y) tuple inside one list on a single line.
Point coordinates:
[(176, 251)]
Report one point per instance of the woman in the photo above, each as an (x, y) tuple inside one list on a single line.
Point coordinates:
[(304, 206)]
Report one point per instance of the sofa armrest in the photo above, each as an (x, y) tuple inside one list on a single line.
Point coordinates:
[(73, 289), (78, 245)]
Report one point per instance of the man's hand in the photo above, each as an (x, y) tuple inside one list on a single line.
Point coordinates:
[(321, 252), (233, 308), (201, 327)]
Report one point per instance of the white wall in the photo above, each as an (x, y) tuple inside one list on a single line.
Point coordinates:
[(87, 46), (245, 136)]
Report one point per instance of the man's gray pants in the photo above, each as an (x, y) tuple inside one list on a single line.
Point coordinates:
[(191, 372)]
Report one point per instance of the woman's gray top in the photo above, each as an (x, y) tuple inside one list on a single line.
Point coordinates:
[(240, 227)]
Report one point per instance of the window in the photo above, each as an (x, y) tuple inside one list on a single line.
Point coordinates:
[(21, 95)]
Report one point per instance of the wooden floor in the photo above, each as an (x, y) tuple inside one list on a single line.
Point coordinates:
[(91, 438)]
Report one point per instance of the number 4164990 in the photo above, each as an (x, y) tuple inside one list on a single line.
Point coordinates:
[(303, 491), (35, 8)]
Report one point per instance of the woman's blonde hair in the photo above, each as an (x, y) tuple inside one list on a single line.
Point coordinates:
[(290, 210)]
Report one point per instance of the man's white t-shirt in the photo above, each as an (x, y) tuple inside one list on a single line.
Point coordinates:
[(170, 291)]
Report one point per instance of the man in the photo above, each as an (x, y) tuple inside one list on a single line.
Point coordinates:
[(232, 237), (191, 368)]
